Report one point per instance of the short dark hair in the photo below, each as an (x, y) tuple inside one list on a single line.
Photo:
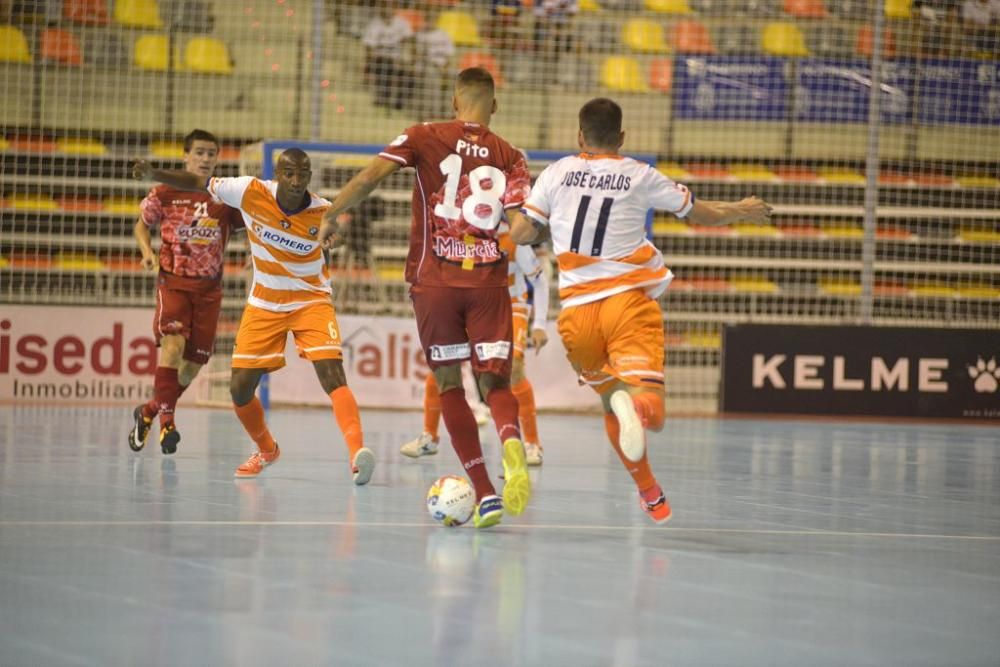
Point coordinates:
[(475, 77), (601, 122), (198, 135)]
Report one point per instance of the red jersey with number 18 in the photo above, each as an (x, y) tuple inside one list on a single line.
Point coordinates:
[(466, 177)]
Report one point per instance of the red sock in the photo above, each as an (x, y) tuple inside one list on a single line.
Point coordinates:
[(503, 407), (166, 390), (525, 396), (432, 407), (152, 407), (464, 432), (251, 416), (649, 405), (345, 410), (640, 471)]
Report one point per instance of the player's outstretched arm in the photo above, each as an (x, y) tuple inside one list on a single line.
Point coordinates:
[(714, 213), (175, 178), (524, 231), (144, 240), (359, 187)]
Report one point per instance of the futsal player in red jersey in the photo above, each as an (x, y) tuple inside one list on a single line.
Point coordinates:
[(466, 178), (194, 230)]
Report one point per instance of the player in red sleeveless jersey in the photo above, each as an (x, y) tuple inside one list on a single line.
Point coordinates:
[(466, 177), (194, 231)]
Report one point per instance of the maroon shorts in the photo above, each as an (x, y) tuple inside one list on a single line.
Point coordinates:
[(459, 323), (188, 307)]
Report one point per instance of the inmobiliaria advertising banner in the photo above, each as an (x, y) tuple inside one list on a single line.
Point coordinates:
[(69, 354)]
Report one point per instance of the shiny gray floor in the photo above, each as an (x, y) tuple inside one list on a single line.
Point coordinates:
[(792, 543)]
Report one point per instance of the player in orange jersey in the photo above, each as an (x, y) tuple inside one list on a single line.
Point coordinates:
[(466, 177), (194, 231), (524, 267), (594, 207), (290, 292)]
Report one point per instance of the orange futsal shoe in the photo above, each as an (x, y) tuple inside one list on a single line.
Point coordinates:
[(257, 462), (654, 503)]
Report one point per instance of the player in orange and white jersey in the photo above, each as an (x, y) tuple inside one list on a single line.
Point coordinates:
[(594, 207), (290, 292), (523, 266)]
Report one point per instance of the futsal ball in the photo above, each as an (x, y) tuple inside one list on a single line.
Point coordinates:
[(451, 500)]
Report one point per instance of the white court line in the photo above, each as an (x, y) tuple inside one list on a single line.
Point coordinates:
[(543, 526)]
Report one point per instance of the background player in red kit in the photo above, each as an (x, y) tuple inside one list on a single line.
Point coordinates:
[(466, 178), (194, 230)]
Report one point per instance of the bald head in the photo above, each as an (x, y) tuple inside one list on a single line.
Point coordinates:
[(294, 156), (474, 92)]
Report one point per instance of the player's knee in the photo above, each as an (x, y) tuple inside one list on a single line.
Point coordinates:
[(490, 381), (330, 373), (187, 372), (241, 388), (448, 378)]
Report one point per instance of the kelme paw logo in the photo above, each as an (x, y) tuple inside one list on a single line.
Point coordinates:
[(986, 375)]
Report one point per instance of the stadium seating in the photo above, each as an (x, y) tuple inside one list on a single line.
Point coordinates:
[(661, 74), (806, 9), (138, 13), (864, 43), (207, 56), (484, 60), (414, 17), (644, 36), (32, 202), (623, 74), (86, 12), (60, 46), (691, 36), (587, 6), (13, 45), (461, 27), (150, 53), (170, 150), (783, 39), (898, 9), (668, 6), (80, 146)]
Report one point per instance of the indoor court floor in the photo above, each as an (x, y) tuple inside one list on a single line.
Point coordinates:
[(792, 543)]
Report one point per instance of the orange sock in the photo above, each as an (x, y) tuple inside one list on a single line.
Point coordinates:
[(432, 407), (251, 416), (345, 411), (525, 396), (640, 471), (649, 405)]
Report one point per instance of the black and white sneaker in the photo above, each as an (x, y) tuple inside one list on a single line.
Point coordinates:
[(140, 430)]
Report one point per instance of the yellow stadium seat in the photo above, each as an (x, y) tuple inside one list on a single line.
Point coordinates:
[(392, 273), (752, 172), (173, 150), (973, 291), (755, 230), (4, 262), (121, 205), (352, 161), (624, 74), (208, 56), (81, 147), (935, 290), (644, 36), (843, 231), (589, 6), (673, 171), (668, 6), (839, 287), (671, 228), (461, 27), (977, 182), (150, 53), (979, 236), (712, 341), (78, 262), (26, 202), (838, 175), (13, 45), (138, 13), (898, 9), (754, 285), (4, 144), (783, 39)]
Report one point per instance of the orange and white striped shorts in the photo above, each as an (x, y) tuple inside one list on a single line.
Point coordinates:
[(617, 338), (260, 341)]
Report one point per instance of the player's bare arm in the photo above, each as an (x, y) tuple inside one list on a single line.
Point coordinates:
[(716, 213), (525, 231), (359, 187), (176, 178), (144, 240)]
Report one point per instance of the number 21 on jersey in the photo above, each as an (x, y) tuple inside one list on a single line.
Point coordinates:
[(451, 167)]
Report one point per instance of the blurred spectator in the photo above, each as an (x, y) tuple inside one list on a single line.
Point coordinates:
[(385, 56), (433, 53), (980, 19), (501, 29), (553, 32), (936, 20)]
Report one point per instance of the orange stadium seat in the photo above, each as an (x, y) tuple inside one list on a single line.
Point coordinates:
[(30, 261), (207, 56), (13, 45), (865, 42), (668, 6), (783, 39), (898, 9), (32, 144), (623, 74), (138, 13), (644, 36), (60, 46), (86, 12), (691, 36), (796, 174), (708, 170), (414, 17), (461, 27), (661, 74), (80, 204), (484, 60), (806, 9)]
